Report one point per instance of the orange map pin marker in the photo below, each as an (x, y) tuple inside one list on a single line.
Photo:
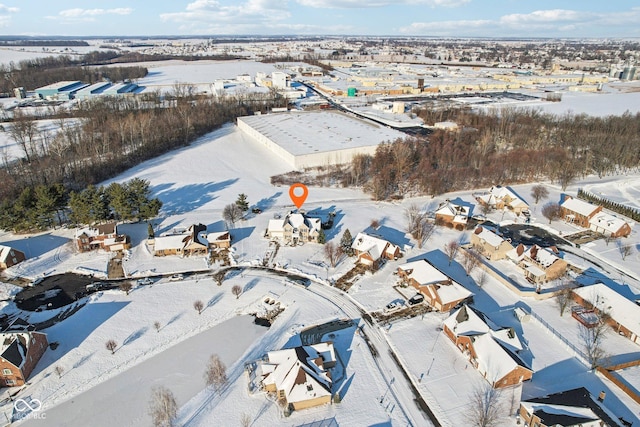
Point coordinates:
[(298, 200)]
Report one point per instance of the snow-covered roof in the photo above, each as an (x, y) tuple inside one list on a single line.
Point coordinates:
[(296, 220), (300, 371), (460, 213), (170, 242), (544, 257), (494, 347), (432, 281), (276, 225), (220, 235), (488, 236), (309, 132), (374, 246), (423, 272), (622, 310), (506, 194), (14, 347), (579, 206), (545, 411), (493, 360), (608, 222)]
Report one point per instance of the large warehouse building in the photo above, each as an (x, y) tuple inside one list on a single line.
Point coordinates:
[(317, 138)]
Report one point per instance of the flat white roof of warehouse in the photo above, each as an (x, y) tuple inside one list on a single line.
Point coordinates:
[(308, 132)]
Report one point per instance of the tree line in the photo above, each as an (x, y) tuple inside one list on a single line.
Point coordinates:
[(110, 135), (38, 72), (509, 147), (625, 210), (45, 206)]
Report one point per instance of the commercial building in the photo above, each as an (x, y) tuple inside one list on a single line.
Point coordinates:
[(64, 90), (317, 138)]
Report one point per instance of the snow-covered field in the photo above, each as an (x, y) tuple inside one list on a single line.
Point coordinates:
[(195, 183)]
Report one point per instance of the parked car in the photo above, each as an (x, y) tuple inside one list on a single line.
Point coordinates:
[(145, 281), (416, 299), (393, 306), (176, 277)]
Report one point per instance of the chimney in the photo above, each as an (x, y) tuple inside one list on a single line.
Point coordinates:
[(602, 395), (478, 230)]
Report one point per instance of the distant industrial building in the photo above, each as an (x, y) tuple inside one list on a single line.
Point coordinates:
[(121, 89), (62, 91), (317, 138), (93, 90)]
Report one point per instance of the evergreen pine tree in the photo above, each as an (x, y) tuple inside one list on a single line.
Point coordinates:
[(242, 202), (322, 238), (346, 241)]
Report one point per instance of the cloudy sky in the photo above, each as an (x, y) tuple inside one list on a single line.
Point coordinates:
[(457, 18)]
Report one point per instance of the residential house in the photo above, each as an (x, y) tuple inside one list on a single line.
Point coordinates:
[(191, 242), (294, 229), (300, 377), (371, 250), (19, 354), (575, 407), (439, 291), (609, 225), (622, 314), (539, 265), (103, 236), (499, 197), (578, 212), (452, 215), (492, 350), (219, 240), (489, 244), (10, 257)]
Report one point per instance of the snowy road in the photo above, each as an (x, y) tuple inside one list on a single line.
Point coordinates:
[(124, 399), (397, 384)]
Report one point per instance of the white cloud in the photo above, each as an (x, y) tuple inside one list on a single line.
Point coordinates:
[(78, 14), (5, 14), (553, 22), (211, 16), (364, 4)]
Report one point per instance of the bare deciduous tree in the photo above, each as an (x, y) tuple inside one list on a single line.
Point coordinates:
[(125, 287), (236, 290), (332, 253), (451, 250), (563, 297), (539, 192), (245, 420), (111, 345), (216, 372), (625, 250), (470, 261), (231, 214), (418, 224), (592, 339), (157, 326), (59, 370), (484, 406), (551, 211), (482, 278), (163, 407), (199, 306)]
